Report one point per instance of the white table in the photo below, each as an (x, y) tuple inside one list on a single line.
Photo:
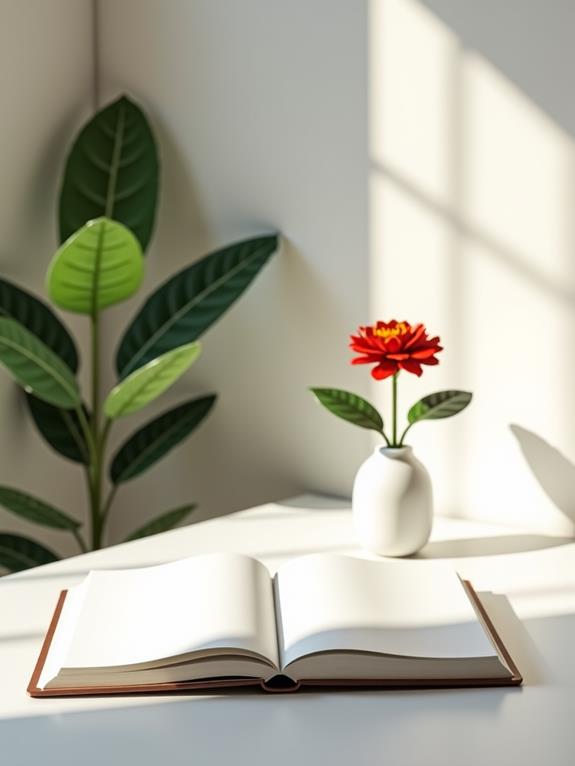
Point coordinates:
[(531, 725)]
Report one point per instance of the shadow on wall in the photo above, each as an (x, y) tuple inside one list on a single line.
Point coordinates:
[(554, 472)]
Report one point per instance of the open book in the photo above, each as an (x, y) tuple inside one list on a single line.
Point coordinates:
[(223, 620)]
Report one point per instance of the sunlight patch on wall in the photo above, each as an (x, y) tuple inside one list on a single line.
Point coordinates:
[(410, 74), (472, 191), (517, 165)]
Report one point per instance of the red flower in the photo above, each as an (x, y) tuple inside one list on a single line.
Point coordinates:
[(394, 346)]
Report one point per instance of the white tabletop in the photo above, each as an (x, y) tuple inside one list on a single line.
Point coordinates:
[(534, 724)]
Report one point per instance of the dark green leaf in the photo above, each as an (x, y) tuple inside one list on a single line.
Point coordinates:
[(33, 509), (442, 404), (154, 440), (39, 319), (188, 303), (112, 171), (60, 428), (350, 407), (18, 553), (35, 367), (162, 523)]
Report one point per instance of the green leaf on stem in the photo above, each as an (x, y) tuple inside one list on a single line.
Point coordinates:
[(112, 171), (350, 407), (187, 304), (162, 523), (443, 404), (98, 266), (35, 367), (147, 383), (61, 429), (35, 510), (154, 440), (18, 553), (39, 319)]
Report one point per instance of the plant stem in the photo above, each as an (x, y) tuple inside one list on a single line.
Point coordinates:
[(96, 469), (95, 335), (404, 434), (108, 503), (79, 539), (394, 410)]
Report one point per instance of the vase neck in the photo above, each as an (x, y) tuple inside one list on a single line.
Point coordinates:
[(395, 453)]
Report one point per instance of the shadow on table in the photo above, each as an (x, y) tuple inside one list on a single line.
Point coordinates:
[(243, 727), (316, 503), (489, 546), (515, 637)]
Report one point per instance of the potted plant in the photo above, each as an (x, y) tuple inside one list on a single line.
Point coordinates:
[(392, 493), (106, 216)]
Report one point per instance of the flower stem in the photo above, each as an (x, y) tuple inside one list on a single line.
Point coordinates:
[(394, 410)]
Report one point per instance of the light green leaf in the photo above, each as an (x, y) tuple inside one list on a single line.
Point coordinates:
[(112, 171), (148, 382), (154, 440), (18, 552), (443, 404), (35, 367), (161, 523), (35, 510), (350, 407), (99, 265), (185, 306)]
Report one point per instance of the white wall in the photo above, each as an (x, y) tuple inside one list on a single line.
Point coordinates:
[(46, 91), (424, 172), (472, 200), (261, 112)]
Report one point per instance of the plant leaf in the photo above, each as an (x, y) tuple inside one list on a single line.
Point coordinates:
[(18, 553), (36, 510), (154, 440), (189, 302), (99, 265), (112, 171), (161, 523), (148, 382), (35, 367), (349, 407), (443, 404), (60, 428), (39, 319)]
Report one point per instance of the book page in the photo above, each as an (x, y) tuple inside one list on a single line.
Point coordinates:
[(408, 608), (208, 602)]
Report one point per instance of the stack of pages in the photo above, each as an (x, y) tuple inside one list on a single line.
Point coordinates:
[(221, 620)]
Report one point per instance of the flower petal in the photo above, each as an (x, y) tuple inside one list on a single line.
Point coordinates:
[(392, 344), (411, 365), (384, 369), (397, 357), (424, 353), (365, 360), (417, 332)]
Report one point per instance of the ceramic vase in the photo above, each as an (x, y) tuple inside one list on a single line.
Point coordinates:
[(392, 502)]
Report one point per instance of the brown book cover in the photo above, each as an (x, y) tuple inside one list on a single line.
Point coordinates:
[(283, 684)]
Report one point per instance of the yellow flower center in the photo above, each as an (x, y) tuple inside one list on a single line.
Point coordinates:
[(388, 332)]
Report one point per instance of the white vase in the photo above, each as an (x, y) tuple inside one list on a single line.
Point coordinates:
[(392, 502)]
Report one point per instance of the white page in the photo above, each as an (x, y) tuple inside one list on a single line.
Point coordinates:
[(204, 602), (409, 608)]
